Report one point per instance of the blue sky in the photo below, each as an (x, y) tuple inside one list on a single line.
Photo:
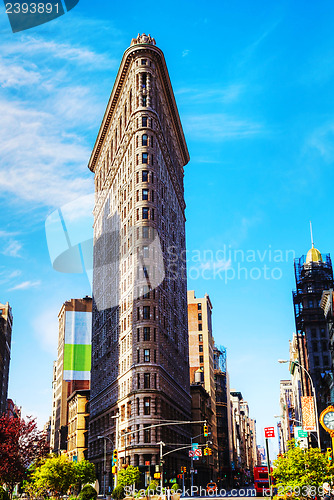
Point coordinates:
[(253, 82)]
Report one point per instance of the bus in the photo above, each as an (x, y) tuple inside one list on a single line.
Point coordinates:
[(261, 480)]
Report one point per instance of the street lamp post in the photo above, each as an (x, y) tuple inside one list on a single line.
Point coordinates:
[(314, 395), (105, 453), (161, 443)]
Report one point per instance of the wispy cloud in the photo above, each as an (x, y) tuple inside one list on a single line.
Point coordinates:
[(12, 249), (217, 127), (322, 141), (25, 285), (185, 52)]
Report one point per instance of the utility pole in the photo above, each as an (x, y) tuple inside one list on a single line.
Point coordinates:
[(161, 443), (269, 470)]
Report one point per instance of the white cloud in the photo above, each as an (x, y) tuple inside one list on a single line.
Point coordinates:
[(15, 75), (185, 52), (25, 285), (322, 140), (12, 249)]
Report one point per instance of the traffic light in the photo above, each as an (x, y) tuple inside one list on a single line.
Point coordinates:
[(114, 469), (182, 470), (330, 456), (115, 456), (205, 431), (209, 451), (205, 451)]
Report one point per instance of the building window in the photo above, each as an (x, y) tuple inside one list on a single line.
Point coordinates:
[(146, 253), (145, 212), (138, 407), (147, 406), (200, 348), (147, 334), (200, 337), (147, 434), (199, 306), (145, 194), (138, 356), (199, 316), (145, 175), (144, 101), (324, 345), (144, 140), (143, 62), (138, 335), (316, 360), (146, 380), (147, 356), (152, 214), (322, 332), (144, 158), (315, 346), (155, 356), (200, 327), (326, 360), (201, 359), (145, 232), (144, 121), (146, 312), (310, 304), (138, 380), (313, 333), (152, 195)]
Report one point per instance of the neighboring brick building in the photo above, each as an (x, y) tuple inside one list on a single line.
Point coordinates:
[(201, 348), (140, 367), (71, 371), (6, 324)]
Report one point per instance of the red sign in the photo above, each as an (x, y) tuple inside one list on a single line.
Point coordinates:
[(269, 432), (147, 463)]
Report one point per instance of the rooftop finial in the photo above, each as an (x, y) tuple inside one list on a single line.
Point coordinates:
[(143, 39), (311, 234)]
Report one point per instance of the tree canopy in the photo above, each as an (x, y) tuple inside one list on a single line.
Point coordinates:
[(302, 472), (21, 443)]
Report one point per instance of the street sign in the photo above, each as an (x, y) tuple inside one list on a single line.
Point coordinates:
[(191, 453), (157, 468), (198, 452), (269, 432), (192, 471), (302, 433), (157, 475), (194, 446), (303, 443), (195, 458), (147, 462)]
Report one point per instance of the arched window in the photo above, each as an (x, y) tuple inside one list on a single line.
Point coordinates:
[(144, 140)]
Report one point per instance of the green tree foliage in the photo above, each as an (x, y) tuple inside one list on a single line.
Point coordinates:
[(3, 494), (128, 476), (88, 492), (57, 474), (85, 472), (301, 472), (118, 492), (175, 487)]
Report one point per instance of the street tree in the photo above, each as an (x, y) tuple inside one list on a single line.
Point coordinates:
[(128, 476), (302, 472), (84, 473), (56, 474), (21, 443)]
